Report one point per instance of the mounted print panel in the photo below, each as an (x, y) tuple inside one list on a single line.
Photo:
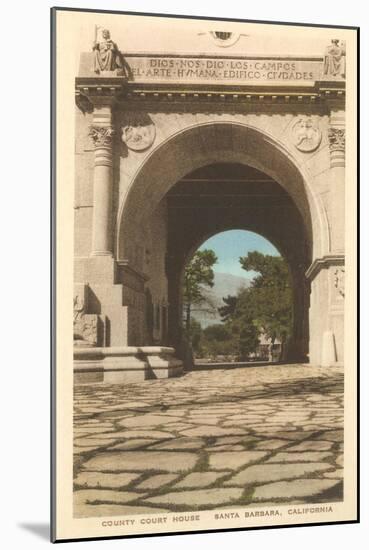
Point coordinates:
[(205, 373)]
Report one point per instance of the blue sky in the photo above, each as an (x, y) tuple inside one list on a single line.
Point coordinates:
[(230, 245)]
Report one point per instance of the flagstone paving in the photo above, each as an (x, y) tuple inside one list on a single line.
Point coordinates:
[(210, 439)]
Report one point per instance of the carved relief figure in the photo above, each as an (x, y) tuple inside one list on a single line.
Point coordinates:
[(335, 59), (339, 281), (89, 330), (306, 135), (78, 307), (107, 56), (85, 326), (138, 137)]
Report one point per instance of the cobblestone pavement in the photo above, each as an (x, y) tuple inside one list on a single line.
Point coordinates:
[(211, 439)]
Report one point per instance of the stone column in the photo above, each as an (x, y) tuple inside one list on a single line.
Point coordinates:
[(102, 134), (336, 136)]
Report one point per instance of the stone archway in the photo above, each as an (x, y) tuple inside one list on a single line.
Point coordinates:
[(222, 197), (144, 213)]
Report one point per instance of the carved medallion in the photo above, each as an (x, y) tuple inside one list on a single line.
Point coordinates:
[(306, 135), (138, 138)]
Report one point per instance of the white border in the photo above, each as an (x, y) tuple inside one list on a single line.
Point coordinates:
[(25, 243)]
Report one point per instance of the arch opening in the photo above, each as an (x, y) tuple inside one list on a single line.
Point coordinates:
[(224, 197), (208, 201), (237, 301)]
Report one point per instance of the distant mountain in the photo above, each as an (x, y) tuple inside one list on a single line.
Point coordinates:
[(224, 284)]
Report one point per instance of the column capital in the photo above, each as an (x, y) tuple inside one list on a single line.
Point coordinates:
[(337, 138), (102, 136), (337, 142)]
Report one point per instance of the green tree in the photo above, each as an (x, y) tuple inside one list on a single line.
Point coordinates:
[(270, 295), (217, 332), (248, 339), (264, 307), (242, 325), (217, 340), (199, 276), (227, 311)]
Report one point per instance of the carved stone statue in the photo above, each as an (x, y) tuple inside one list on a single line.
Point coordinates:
[(107, 56), (335, 59)]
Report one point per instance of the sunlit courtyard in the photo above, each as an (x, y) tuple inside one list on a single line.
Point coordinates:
[(252, 436)]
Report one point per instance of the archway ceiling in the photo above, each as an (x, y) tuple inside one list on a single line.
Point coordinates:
[(221, 197)]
